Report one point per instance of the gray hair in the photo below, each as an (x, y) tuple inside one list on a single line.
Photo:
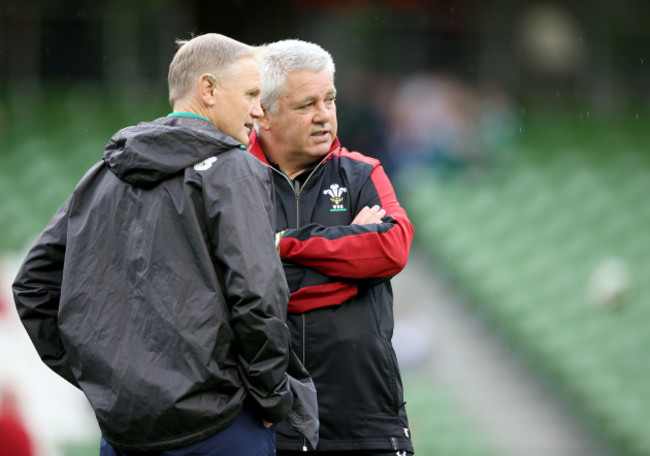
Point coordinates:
[(283, 57), (209, 53)]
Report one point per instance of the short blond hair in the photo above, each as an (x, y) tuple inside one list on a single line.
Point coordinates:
[(210, 53)]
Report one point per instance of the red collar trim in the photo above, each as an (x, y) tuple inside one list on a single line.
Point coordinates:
[(255, 147)]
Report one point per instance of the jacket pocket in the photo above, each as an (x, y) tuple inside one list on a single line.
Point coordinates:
[(393, 378)]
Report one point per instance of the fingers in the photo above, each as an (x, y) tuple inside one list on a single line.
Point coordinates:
[(361, 217), (374, 214), (368, 215)]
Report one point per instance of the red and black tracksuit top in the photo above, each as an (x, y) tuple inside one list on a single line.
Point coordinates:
[(341, 308)]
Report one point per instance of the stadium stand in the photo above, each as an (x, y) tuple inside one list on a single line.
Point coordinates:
[(551, 246)]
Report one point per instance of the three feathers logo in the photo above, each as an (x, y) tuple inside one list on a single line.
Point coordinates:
[(335, 192)]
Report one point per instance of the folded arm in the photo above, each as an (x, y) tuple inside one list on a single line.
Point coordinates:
[(356, 251)]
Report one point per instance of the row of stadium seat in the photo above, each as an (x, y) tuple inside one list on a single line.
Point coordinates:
[(552, 247)]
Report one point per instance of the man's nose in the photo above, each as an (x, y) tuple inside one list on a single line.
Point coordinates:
[(257, 111), (322, 113)]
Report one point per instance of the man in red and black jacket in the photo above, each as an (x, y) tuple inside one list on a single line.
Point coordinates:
[(342, 235)]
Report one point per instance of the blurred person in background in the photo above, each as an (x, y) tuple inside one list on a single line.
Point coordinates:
[(431, 121), (362, 114), (157, 289), (438, 121), (15, 439), (342, 235)]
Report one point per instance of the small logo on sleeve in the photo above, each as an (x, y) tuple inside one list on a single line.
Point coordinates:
[(205, 164), (335, 193)]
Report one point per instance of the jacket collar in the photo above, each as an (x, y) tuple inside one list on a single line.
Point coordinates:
[(255, 147)]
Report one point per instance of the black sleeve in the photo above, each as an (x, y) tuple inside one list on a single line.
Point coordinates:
[(37, 293)]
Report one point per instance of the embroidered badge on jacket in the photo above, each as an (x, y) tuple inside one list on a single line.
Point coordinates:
[(335, 192)]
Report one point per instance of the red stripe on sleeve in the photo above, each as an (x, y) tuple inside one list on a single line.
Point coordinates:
[(317, 296), (356, 256), (387, 196)]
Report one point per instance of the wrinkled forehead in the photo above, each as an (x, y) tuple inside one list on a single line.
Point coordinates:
[(302, 83)]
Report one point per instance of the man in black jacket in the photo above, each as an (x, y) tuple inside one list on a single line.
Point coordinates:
[(342, 235), (156, 288)]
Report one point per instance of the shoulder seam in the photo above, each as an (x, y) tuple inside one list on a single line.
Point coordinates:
[(357, 156)]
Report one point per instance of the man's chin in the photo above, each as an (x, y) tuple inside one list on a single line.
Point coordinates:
[(243, 138), (318, 153), (321, 148)]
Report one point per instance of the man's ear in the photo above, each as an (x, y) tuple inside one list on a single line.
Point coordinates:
[(264, 121), (208, 89)]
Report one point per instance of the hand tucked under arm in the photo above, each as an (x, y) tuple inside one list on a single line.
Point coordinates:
[(368, 215)]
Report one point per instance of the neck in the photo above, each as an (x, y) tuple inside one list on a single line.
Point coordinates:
[(293, 172), (190, 105), (291, 165)]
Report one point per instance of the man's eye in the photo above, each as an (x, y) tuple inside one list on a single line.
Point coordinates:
[(330, 100)]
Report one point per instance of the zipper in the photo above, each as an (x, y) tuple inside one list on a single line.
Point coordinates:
[(295, 186), (304, 358), (297, 189)]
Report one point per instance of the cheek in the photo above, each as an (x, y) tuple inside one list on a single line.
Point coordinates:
[(302, 130), (302, 124), (292, 127), (333, 116)]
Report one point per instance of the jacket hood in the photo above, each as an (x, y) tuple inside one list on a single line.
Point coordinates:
[(150, 152)]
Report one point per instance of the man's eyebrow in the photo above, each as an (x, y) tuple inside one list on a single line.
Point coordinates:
[(304, 101), (312, 98)]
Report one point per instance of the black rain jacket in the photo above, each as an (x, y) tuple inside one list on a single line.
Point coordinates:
[(156, 289), (341, 307)]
